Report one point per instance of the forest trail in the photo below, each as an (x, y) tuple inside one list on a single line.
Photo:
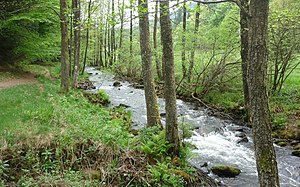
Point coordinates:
[(12, 77)]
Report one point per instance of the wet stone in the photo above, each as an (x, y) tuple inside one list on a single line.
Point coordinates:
[(226, 171), (86, 85), (296, 153), (243, 140), (117, 83)]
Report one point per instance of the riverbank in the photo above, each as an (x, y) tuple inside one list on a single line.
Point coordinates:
[(285, 115), (48, 138), (217, 141)]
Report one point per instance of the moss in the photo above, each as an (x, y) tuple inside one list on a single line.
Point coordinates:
[(297, 147), (226, 171), (282, 144), (296, 153), (100, 97)]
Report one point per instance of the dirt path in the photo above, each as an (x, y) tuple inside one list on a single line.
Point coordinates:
[(16, 78)]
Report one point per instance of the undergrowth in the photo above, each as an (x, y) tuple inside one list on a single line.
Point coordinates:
[(51, 139)]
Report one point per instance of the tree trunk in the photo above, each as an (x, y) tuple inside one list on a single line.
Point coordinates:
[(121, 29), (129, 69), (169, 82), (244, 22), (71, 45), (76, 6), (87, 37), (112, 41), (259, 106), (192, 60), (64, 47), (183, 55), (153, 117), (157, 61), (101, 48)]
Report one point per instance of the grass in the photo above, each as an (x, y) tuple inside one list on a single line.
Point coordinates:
[(51, 139)]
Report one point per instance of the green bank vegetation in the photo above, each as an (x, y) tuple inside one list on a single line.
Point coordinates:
[(48, 138)]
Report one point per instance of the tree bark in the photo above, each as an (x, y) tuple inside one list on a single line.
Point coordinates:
[(64, 47), (107, 38), (192, 59), (87, 37), (244, 23), (259, 106), (77, 20), (129, 69), (113, 38), (169, 81), (121, 29), (71, 45), (153, 117), (157, 61), (183, 41)]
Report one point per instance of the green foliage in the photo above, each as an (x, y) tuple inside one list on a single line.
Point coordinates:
[(71, 178), (284, 42), (154, 142), (161, 175), (31, 31), (3, 169), (103, 95)]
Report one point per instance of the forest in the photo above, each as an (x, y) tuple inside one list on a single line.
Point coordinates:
[(150, 93)]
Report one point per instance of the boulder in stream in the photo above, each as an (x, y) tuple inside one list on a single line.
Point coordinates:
[(116, 84), (226, 171), (86, 85), (296, 153), (243, 140)]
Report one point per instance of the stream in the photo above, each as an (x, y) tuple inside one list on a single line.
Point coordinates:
[(217, 141)]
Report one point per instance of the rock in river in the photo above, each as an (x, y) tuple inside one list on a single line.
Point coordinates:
[(296, 153), (117, 83), (226, 171)]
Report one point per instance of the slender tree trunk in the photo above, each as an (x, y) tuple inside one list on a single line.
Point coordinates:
[(169, 82), (129, 70), (183, 55), (192, 60), (108, 35), (96, 47), (157, 61), (77, 20), (153, 117), (113, 38), (101, 48), (87, 37), (121, 29), (259, 106), (244, 22), (71, 45), (106, 42), (64, 47)]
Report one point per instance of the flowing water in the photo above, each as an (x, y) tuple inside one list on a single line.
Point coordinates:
[(216, 140)]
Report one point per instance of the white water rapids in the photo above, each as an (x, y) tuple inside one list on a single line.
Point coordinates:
[(216, 140)]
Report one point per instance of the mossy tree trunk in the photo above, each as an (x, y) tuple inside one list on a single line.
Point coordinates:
[(64, 47), (153, 117), (259, 106), (169, 78)]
